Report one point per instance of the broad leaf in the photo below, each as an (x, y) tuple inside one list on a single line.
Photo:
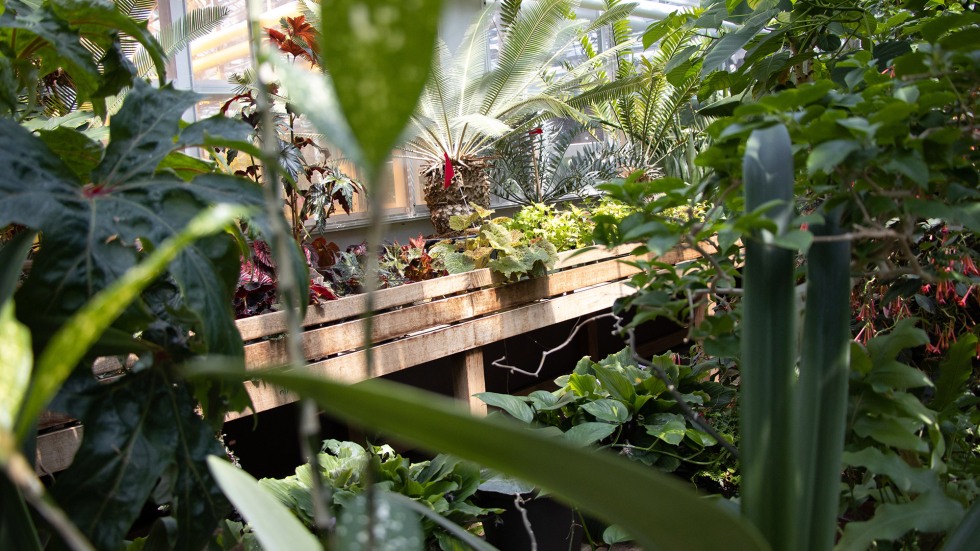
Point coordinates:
[(954, 372), (608, 410), (586, 434), (669, 427), (392, 526), (516, 407), (929, 512)]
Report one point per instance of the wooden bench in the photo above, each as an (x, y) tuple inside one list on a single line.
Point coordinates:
[(452, 316)]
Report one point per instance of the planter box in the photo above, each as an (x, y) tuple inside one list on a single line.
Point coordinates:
[(452, 316)]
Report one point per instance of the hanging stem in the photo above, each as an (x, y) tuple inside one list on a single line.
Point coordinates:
[(289, 289)]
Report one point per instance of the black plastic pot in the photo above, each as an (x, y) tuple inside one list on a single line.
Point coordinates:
[(556, 526)]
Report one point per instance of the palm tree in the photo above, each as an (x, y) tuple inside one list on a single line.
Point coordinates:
[(466, 107)]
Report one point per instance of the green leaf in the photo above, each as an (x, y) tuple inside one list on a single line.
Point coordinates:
[(905, 334), (608, 410), (516, 407), (274, 526), (657, 510), (891, 375), (795, 240), (904, 476), (91, 232), (954, 372), (142, 133), (392, 526), (586, 434), (136, 431), (929, 512), (12, 257), (615, 383), (80, 153), (16, 360), (669, 427), (722, 50), (614, 534), (69, 344), (967, 533), (826, 156), (380, 51)]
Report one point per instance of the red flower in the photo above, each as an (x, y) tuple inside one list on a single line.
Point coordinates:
[(537, 130)]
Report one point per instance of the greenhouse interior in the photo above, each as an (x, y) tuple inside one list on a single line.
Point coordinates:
[(490, 275)]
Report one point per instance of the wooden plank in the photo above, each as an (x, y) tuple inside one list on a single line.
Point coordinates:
[(320, 343), (468, 379), (353, 306), (446, 341), (50, 419), (56, 449)]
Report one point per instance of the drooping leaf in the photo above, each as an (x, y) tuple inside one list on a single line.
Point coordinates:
[(274, 526), (379, 50), (16, 361), (656, 511), (392, 526)]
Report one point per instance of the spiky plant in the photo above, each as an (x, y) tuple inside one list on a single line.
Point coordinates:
[(539, 165), (658, 125), (465, 107)]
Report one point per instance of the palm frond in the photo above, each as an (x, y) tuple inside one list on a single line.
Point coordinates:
[(509, 10), (177, 36)]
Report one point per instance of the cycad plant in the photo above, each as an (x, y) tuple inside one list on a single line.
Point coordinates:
[(658, 124), (541, 164), (465, 107)]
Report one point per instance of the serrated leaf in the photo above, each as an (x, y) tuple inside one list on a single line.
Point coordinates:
[(586, 434), (80, 153), (91, 233), (142, 133)]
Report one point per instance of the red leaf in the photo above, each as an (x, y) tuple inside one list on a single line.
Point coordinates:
[(449, 170)]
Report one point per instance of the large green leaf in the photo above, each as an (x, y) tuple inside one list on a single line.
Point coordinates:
[(658, 510), (391, 526), (378, 56), (91, 231), (136, 431), (274, 526), (954, 372), (929, 512), (12, 257)]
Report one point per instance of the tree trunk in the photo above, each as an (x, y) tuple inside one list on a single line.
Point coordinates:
[(470, 184)]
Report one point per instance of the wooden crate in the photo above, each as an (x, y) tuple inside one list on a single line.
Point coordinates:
[(452, 316)]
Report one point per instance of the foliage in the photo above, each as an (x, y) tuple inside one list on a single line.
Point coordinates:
[(443, 484), (33, 386), (103, 209), (539, 166), (401, 264), (510, 253), (907, 458), (616, 404)]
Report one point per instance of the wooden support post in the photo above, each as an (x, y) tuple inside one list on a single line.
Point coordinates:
[(468, 379)]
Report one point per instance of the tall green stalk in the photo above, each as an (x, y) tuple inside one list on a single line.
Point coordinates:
[(769, 344), (822, 403)]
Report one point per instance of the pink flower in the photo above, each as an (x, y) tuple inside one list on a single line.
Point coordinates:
[(449, 172)]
